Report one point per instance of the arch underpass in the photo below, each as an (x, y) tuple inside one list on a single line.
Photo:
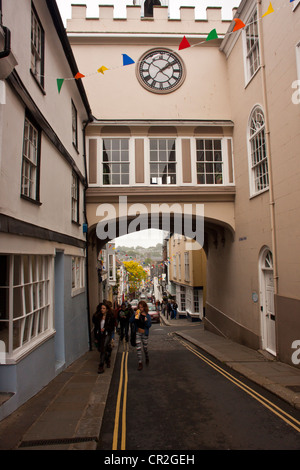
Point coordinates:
[(210, 223)]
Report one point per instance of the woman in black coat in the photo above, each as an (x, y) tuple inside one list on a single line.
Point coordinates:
[(104, 325)]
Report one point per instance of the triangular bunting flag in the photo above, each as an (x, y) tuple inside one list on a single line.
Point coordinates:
[(60, 82), (212, 35), (102, 69), (184, 44), (127, 60), (79, 75), (269, 10), (238, 24)]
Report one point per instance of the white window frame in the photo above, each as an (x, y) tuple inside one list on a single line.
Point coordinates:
[(196, 301), (187, 266), (30, 303), (111, 268), (149, 162), (129, 162), (182, 299), (37, 48), (250, 24), (78, 275), (75, 198), (175, 266), (221, 162), (30, 161), (74, 125), (253, 168), (225, 160)]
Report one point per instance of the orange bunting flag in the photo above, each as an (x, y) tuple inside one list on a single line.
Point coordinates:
[(238, 24), (102, 69), (184, 44), (79, 75), (269, 10)]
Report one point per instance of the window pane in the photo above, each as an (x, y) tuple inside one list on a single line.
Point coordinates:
[(124, 179), (115, 156), (153, 144), (153, 156), (125, 168), (115, 179), (17, 333)]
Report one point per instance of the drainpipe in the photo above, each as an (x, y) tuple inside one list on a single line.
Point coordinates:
[(85, 124), (268, 142)]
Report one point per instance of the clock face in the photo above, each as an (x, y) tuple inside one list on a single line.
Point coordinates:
[(160, 71)]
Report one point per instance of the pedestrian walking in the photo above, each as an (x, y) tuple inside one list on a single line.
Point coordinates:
[(174, 309), (141, 320), (169, 309), (124, 316), (104, 325)]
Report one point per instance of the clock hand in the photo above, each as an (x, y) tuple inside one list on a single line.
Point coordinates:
[(168, 65)]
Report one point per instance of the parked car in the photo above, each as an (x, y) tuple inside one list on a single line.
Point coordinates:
[(153, 312)]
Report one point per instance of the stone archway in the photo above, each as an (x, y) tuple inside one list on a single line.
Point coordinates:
[(195, 226)]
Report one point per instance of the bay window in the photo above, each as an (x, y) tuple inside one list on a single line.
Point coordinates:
[(25, 301)]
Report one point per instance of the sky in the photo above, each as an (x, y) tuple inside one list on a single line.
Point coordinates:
[(145, 238), (120, 7), (151, 237)]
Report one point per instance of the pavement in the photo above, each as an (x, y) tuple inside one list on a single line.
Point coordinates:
[(67, 414)]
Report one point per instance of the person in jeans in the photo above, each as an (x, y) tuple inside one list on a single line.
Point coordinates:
[(124, 315), (104, 325), (174, 309), (142, 322)]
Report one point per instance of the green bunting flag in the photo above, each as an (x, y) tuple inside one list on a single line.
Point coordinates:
[(212, 35), (60, 82)]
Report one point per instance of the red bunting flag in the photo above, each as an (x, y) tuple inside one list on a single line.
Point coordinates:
[(79, 75), (184, 44), (238, 24)]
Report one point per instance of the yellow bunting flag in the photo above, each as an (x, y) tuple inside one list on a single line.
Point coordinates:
[(269, 10), (238, 24), (102, 69)]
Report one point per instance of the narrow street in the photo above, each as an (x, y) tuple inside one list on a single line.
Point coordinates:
[(185, 400)]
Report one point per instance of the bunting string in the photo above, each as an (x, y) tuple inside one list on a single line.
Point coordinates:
[(184, 44)]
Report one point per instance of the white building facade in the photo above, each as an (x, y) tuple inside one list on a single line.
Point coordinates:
[(43, 302)]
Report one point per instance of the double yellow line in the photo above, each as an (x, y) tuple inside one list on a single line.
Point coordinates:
[(290, 420), (123, 377)]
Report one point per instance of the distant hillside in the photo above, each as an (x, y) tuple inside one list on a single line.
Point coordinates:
[(140, 253)]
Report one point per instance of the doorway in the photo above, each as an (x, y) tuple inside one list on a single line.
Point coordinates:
[(267, 302)]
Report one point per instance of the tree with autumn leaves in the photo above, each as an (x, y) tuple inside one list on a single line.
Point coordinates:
[(136, 274)]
